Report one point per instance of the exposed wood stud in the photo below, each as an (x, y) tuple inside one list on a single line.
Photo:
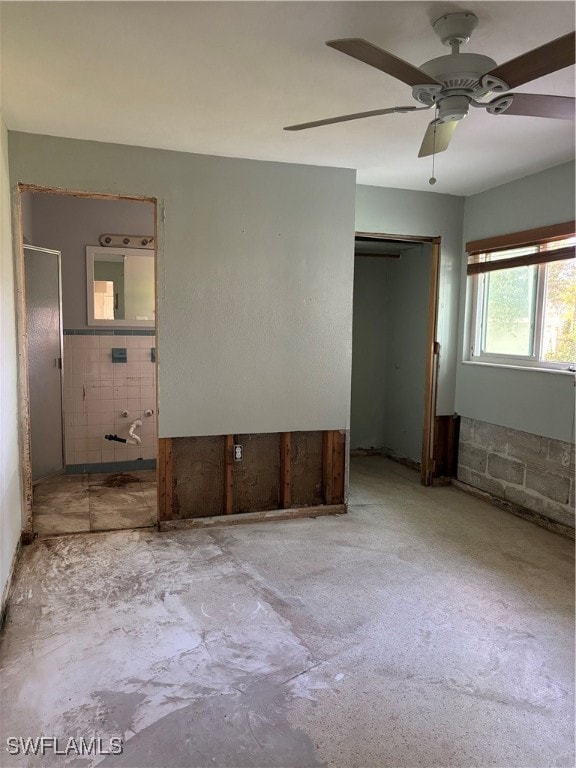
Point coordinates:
[(432, 358), (327, 465), (198, 477), (285, 467), (228, 474), (80, 193), (165, 480), (338, 466)]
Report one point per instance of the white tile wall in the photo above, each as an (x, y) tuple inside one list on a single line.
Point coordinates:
[(96, 390)]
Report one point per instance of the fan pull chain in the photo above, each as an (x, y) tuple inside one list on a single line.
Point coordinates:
[(432, 179)]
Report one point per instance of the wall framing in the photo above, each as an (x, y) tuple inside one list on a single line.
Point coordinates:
[(271, 477)]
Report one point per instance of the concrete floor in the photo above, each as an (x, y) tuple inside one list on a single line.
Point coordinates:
[(424, 628), (99, 502)]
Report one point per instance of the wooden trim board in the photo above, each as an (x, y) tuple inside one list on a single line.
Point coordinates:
[(272, 516), (526, 237), (432, 349)]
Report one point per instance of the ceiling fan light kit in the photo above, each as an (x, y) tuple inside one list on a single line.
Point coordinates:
[(456, 81)]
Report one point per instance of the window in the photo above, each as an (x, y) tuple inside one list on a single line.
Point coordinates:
[(524, 298)]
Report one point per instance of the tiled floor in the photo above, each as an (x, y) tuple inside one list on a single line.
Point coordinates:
[(77, 503)]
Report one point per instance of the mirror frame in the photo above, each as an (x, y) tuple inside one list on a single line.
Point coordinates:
[(91, 251)]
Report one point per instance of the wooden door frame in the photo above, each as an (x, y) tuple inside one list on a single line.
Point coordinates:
[(21, 332), (432, 346)]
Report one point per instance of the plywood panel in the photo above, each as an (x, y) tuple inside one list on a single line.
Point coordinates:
[(338, 467), (229, 475), (165, 480), (198, 476), (446, 432), (285, 470), (257, 476), (306, 473), (327, 460)]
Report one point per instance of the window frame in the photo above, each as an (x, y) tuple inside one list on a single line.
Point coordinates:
[(479, 252)]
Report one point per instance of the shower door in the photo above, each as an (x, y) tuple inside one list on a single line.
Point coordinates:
[(44, 351)]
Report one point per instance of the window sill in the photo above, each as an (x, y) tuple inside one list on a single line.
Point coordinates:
[(482, 364)]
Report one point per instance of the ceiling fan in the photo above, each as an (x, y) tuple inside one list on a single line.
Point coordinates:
[(455, 82)]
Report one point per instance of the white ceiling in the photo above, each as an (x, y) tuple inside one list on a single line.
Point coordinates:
[(223, 78)]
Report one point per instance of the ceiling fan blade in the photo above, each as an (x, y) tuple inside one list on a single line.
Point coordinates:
[(437, 137), (538, 62), (537, 105), (386, 62), (355, 116)]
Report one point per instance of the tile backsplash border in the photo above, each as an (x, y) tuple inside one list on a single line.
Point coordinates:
[(108, 332)]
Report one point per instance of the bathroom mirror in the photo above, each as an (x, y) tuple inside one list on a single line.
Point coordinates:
[(120, 286)]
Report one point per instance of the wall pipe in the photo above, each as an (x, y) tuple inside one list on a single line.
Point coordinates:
[(132, 439)]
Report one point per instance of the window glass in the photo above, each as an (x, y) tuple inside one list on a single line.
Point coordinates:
[(559, 332), (509, 307), (525, 315)]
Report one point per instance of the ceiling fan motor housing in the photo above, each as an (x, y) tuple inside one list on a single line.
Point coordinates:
[(459, 75)]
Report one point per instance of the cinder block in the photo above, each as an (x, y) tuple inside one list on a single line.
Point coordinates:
[(561, 455), (488, 484), (532, 450), (467, 430), (490, 436), (464, 474), (503, 468), (552, 509), (555, 487), (472, 457)]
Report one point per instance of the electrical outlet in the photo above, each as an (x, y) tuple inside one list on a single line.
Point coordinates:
[(237, 452)]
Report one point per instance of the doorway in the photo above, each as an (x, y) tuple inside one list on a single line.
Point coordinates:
[(394, 352), (42, 277), (88, 369)]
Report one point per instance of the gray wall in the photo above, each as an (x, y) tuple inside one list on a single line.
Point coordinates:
[(255, 272), (426, 214), (406, 333), (367, 413), (11, 502), (68, 224), (389, 352), (538, 402)]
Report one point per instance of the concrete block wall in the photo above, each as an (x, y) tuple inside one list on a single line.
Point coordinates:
[(532, 471)]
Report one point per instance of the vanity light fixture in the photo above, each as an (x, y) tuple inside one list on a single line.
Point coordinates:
[(128, 241)]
